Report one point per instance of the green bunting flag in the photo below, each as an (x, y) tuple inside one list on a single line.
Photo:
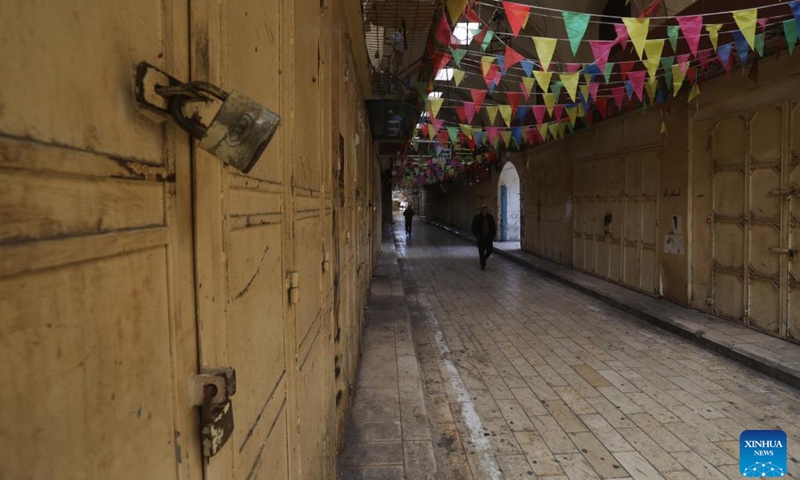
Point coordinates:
[(576, 24)]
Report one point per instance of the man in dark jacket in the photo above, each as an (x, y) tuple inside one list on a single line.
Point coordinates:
[(409, 214), (484, 229)]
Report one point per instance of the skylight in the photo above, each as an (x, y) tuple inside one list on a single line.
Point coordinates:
[(435, 95), (462, 31), (445, 74)]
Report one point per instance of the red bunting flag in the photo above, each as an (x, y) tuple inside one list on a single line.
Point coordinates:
[(558, 112), (440, 59), (462, 114), (602, 106), (651, 10), (512, 58), (525, 91), (443, 33), (469, 110), (538, 113), (472, 16), (513, 99), (625, 68), (478, 96), (705, 58), (619, 94), (517, 15)]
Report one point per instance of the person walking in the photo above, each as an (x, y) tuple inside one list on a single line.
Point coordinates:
[(484, 229), (409, 214)]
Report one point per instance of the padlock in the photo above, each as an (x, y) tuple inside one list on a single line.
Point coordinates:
[(239, 132), (216, 423)]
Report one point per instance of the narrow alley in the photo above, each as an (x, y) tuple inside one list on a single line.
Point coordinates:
[(527, 378)]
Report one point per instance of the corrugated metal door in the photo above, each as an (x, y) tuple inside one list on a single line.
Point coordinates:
[(97, 321), (754, 219)]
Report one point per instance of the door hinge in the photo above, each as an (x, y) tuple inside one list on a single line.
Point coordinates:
[(211, 390), (326, 260), (294, 287)]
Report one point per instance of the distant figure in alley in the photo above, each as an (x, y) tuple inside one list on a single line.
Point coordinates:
[(484, 229), (409, 214)]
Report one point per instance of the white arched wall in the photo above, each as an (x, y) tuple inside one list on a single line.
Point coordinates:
[(509, 178)]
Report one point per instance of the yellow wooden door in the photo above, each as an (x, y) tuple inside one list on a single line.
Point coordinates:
[(793, 160), (97, 320)]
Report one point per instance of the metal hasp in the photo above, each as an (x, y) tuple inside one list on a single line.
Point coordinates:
[(240, 130), (211, 391)]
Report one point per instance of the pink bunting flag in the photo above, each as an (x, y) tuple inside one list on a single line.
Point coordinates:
[(469, 110), (683, 62), (496, 74), (691, 27), (602, 107), (593, 87), (512, 58), (558, 112), (490, 74), (538, 113), (601, 50), (622, 35), (762, 22), (705, 58), (443, 33), (637, 80), (492, 133), (530, 136), (574, 67), (513, 99), (517, 15), (619, 94), (525, 92), (437, 123), (478, 97), (462, 114)]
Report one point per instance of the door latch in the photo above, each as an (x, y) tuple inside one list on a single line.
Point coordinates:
[(788, 251), (211, 391)]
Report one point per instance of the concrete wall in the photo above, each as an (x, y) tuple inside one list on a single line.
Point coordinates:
[(509, 178), (626, 203), (130, 259)]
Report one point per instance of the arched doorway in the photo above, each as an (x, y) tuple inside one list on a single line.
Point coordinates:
[(508, 202)]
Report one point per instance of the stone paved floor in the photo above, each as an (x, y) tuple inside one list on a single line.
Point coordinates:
[(526, 378)]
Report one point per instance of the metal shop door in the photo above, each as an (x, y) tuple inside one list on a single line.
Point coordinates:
[(97, 306), (756, 215), (615, 227)]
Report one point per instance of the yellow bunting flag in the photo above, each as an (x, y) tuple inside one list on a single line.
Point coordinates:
[(456, 8), (713, 33), (506, 137), (653, 48), (570, 81), (651, 64), (581, 111), (544, 49), (663, 127), (585, 92), (637, 29), (543, 131), (467, 129), (492, 112), (505, 112), (432, 132), (486, 64), (543, 79), (528, 163), (550, 102), (695, 92), (652, 88), (573, 114), (554, 130), (746, 21), (562, 129), (678, 74), (459, 76), (528, 82), (436, 104)]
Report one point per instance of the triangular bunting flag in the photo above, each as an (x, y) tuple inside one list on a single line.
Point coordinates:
[(431, 132), (558, 112), (492, 112), (453, 133), (691, 27), (572, 112), (516, 132), (695, 92), (654, 48), (467, 129), (513, 99), (487, 40), (505, 112), (524, 89), (458, 55), (602, 107), (652, 86), (517, 16), (760, 44), (746, 21), (651, 65), (618, 93), (790, 31), (724, 54), (713, 33), (477, 97), (795, 6), (491, 133), (544, 49), (455, 8), (440, 59), (522, 110), (607, 72), (593, 87), (462, 114), (576, 24), (458, 75), (527, 84), (637, 81), (622, 35), (538, 113), (637, 29), (478, 136), (678, 75), (672, 33), (553, 127), (667, 63), (486, 64), (527, 65), (742, 46), (549, 101), (436, 104), (506, 135), (512, 57), (570, 81), (543, 79), (600, 50), (469, 110), (443, 33)]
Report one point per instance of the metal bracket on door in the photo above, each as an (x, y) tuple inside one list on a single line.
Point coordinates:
[(788, 193)]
